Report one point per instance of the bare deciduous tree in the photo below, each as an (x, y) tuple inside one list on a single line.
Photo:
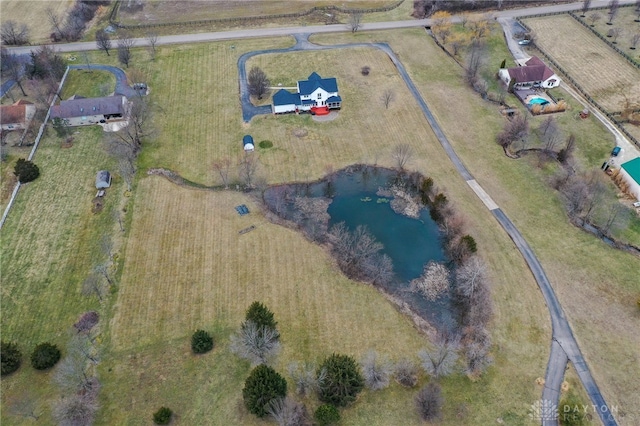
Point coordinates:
[(87, 321), (288, 412), (614, 33), (477, 343), (138, 128), (515, 130), (617, 217), (634, 40), (93, 285), (247, 168), (12, 68), (56, 21), (103, 269), (103, 41), (402, 154), (75, 410), (223, 167), (429, 402), (14, 34), (442, 359), (433, 282), (72, 373), (550, 134), (565, 154), (406, 373), (474, 62), (585, 6), (470, 277), (441, 25), (24, 406), (256, 344), (376, 371), (152, 39), (258, 82), (355, 21), (593, 18), (312, 216), (387, 97), (305, 378), (125, 43), (614, 6)]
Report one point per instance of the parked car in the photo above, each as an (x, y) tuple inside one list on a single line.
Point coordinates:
[(636, 204), (524, 42), (616, 151)]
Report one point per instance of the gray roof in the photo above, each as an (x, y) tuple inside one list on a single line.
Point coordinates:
[(89, 106), (103, 179)]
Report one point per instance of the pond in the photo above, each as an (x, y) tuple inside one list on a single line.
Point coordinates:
[(409, 242)]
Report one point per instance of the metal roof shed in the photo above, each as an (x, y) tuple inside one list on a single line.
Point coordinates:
[(103, 179)]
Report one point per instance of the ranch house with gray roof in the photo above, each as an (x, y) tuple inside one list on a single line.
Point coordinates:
[(88, 111)]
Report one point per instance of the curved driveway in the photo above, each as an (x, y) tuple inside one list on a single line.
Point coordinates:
[(563, 346), (122, 88)]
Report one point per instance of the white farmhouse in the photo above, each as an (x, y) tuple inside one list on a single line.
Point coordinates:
[(534, 73), (316, 94)]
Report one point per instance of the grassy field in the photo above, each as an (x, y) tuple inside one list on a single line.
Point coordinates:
[(600, 70), (185, 266), (90, 84), (625, 21), (597, 286), (33, 13)]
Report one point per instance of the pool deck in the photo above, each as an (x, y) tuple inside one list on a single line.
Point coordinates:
[(525, 96)]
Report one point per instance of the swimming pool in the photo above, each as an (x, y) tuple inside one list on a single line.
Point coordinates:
[(538, 100)]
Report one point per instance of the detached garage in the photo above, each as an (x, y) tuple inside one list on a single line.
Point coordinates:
[(630, 171)]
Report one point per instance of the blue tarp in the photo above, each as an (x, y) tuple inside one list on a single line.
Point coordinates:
[(242, 210)]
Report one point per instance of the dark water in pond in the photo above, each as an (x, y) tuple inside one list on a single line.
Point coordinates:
[(409, 242)]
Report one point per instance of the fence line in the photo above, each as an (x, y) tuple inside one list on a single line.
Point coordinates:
[(116, 7), (14, 194), (579, 88)]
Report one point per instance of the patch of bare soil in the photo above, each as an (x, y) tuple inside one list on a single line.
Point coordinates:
[(98, 205)]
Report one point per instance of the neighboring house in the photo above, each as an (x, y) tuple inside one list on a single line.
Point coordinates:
[(87, 111), (103, 179), (247, 143), (316, 94), (17, 116), (631, 173), (534, 73)]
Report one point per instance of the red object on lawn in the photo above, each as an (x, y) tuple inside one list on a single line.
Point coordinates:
[(323, 110)]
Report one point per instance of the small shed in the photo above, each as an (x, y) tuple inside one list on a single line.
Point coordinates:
[(631, 173), (103, 179), (247, 143)]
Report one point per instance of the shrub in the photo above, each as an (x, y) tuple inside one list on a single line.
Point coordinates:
[(406, 373), (429, 402), (343, 381), (10, 356), (288, 412), (470, 243), (327, 414), (44, 356), (376, 371), (87, 321), (255, 344), (263, 385), (265, 144), (162, 416), (365, 70), (26, 171), (260, 315), (201, 342), (573, 411)]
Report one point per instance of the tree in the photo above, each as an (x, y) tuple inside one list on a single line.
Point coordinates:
[(476, 343), (56, 22), (386, 98), (470, 276), (93, 285), (474, 62), (247, 168), (258, 82), (429, 402), (263, 385), (26, 171), (46, 65), (376, 371), (433, 282), (25, 406), (45, 355), (441, 25), (287, 412), (585, 7), (343, 381), (515, 130), (260, 315), (152, 39), (103, 41), (201, 342), (550, 134), (637, 11), (75, 410), (10, 357), (162, 416), (406, 373), (614, 6), (61, 126), (125, 43), (355, 21), (257, 344), (139, 128), (614, 33), (14, 34), (565, 153), (72, 375), (457, 41), (479, 26), (13, 68), (634, 40), (304, 377), (87, 321), (442, 359), (222, 167), (327, 415), (402, 154), (593, 18)]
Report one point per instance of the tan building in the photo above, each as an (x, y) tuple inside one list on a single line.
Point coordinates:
[(17, 116)]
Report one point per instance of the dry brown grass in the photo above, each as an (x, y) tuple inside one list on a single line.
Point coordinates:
[(33, 13), (600, 70)]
